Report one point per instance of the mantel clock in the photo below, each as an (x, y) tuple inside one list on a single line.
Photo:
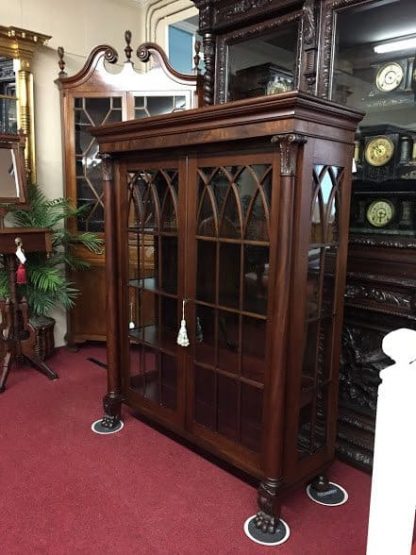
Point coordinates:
[(384, 198)]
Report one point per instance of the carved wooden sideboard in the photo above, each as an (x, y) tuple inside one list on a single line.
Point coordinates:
[(329, 48)]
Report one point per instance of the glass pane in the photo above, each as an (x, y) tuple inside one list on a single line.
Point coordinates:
[(205, 397), (313, 286), (328, 291), (320, 439), (230, 225), (251, 417), (256, 278), (305, 446), (169, 323), (169, 216), (372, 71), (206, 271), (254, 349), (168, 378), (228, 341), (229, 282), (256, 227), (310, 355), (157, 105), (205, 335), (228, 418), (274, 69), (91, 112), (97, 109), (180, 103), (134, 258), (169, 264), (207, 216)]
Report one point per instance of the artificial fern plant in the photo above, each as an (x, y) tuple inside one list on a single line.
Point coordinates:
[(47, 283)]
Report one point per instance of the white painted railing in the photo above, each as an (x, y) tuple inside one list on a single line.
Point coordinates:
[(393, 488)]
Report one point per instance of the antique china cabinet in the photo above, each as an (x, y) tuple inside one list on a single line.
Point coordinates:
[(347, 51), (102, 93), (246, 205)]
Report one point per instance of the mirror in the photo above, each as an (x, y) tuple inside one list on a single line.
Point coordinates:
[(17, 47), (263, 64), (12, 170)]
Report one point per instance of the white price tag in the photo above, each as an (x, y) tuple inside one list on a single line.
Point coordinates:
[(20, 255)]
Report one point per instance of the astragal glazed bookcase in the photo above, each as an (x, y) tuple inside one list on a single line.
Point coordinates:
[(243, 208)]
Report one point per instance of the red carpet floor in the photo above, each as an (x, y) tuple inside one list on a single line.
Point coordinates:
[(66, 490)]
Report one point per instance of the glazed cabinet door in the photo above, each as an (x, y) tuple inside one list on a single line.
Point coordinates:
[(316, 306), (152, 228), (229, 251)]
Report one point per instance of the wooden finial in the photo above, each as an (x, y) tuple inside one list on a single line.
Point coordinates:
[(61, 61), (128, 50), (197, 57)]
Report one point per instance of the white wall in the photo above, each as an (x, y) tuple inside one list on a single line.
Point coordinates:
[(78, 26)]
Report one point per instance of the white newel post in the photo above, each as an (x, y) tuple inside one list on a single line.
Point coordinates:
[(393, 488)]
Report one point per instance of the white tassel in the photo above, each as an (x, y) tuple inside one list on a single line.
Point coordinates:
[(182, 339), (132, 325)]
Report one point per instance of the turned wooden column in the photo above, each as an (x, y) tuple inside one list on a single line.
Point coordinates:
[(112, 400), (268, 501)]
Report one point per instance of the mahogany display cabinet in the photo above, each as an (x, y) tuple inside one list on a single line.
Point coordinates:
[(246, 205)]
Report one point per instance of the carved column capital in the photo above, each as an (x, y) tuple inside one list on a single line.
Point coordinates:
[(288, 144)]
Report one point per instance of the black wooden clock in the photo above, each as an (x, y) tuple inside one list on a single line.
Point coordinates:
[(384, 186), (385, 152)]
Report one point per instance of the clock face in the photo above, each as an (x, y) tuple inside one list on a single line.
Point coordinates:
[(379, 151), (380, 213), (389, 77)]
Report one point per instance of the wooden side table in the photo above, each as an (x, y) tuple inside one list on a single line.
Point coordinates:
[(17, 335)]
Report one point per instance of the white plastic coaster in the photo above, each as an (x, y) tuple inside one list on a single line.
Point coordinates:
[(334, 497), (97, 428), (264, 538)]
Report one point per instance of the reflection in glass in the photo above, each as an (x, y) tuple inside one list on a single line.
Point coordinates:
[(229, 282), (228, 341), (206, 271), (270, 71), (360, 78), (205, 397), (8, 99), (168, 323), (256, 278), (251, 417), (90, 112), (8, 174), (320, 308), (145, 106), (153, 375), (227, 402), (169, 264), (253, 349), (205, 335), (313, 283)]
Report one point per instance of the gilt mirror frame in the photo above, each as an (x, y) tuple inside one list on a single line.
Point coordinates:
[(18, 46), (13, 181)]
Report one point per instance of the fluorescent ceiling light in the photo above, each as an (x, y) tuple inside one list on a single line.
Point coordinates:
[(394, 46)]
